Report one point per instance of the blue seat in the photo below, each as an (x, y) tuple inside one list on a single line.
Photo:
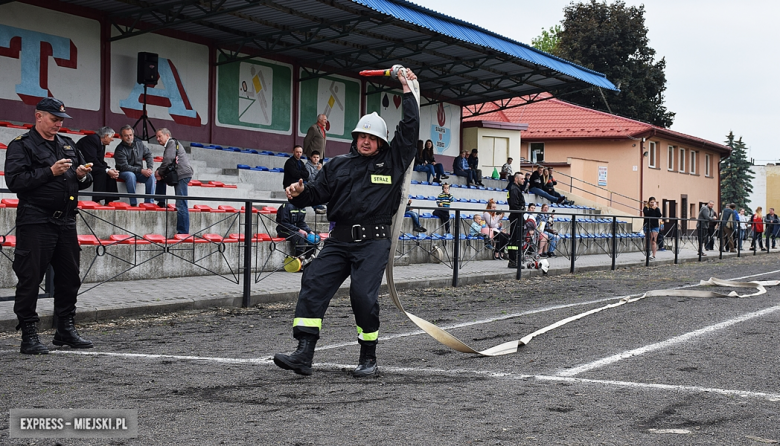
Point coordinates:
[(261, 168), (431, 198), (415, 182), (196, 144), (424, 183), (252, 151), (267, 152), (243, 166), (283, 155), (427, 215), (277, 169), (473, 200)]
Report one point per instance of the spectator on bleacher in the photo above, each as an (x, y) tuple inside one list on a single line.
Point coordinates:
[(537, 186), (130, 155), (93, 147), (362, 205), (443, 201), (291, 224), (430, 158), (315, 137), (545, 221), (703, 227), (728, 223), (420, 165), (516, 203), (479, 229), (313, 166), (493, 220), (46, 171), (743, 226), (653, 224), (460, 165), (550, 183), (531, 230), (757, 221), (526, 184), (295, 168), (474, 165), (174, 152), (414, 216), (772, 227), (506, 169)]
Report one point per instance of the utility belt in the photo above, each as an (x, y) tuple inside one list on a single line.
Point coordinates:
[(57, 215), (359, 232)]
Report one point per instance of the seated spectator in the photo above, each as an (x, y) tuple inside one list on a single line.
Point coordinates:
[(537, 186), (526, 184), (506, 169), (545, 223), (313, 166), (474, 165), (93, 147), (291, 224), (294, 168), (443, 201), (130, 155), (420, 165), (532, 230), (479, 229), (550, 183), (414, 216), (429, 158), (460, 165), (494, 223)]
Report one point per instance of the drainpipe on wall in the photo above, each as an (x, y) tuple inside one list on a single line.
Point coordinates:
[(641, 172)]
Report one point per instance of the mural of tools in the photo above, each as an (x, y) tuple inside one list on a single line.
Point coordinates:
[(255, 94), (330, 102)]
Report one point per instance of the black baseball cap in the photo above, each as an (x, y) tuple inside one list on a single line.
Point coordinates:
[(53, 106)]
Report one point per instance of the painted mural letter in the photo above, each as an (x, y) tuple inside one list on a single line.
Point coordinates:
[(34, 49), (169, 93)]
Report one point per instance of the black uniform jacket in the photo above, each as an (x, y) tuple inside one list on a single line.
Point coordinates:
[(516, 199), (28, 174), (94, 151), (366, 189)]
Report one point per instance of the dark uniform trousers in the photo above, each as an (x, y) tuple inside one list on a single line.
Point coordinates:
[(364, 262), (37, 246), (515, 231)]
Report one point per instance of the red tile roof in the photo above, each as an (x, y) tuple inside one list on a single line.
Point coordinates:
[(556, 119)]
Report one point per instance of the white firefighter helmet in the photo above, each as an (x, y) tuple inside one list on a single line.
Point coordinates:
[(544, 265), (372, 124)]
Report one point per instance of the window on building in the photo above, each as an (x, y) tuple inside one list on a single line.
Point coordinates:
[(707, 172), (693, 162), (652, 154), (536, 152), (670, 158), (682, 160)]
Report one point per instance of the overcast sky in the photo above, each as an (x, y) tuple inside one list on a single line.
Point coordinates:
[(722, 63)]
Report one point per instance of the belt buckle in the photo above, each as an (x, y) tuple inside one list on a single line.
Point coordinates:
[(57, 214), (357, 233)]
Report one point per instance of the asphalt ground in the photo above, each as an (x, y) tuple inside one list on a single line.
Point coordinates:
[(664, 370)]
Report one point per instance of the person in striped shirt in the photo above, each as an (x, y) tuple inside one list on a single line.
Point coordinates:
[(443, 201)]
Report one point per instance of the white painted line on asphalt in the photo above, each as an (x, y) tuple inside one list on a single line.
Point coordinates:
[(664, 344)]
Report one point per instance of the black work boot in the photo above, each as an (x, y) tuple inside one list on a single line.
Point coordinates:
[(367, 363), (300, 360), (66, 334), (31, 345)]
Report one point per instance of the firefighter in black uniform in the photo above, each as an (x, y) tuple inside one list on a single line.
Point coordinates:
[(46, 171), (291, 224), (363, 189), (516, 203)]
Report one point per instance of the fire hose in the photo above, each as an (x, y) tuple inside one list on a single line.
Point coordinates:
[(454, 343)]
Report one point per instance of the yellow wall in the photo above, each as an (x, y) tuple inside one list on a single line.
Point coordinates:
[(773, 188), (628, 172)]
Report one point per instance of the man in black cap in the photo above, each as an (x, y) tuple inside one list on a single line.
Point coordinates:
[(46, 171)]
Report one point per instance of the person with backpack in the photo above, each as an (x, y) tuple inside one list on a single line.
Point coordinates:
[(728, 223)]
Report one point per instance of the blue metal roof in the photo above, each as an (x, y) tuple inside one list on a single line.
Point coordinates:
[(469, 33)]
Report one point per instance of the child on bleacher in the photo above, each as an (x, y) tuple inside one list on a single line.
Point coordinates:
[(444, 200), (478, 229), (313, 165)]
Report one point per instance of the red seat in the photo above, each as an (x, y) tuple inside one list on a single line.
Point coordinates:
[(88, 132), (88, 239), (270, 209), (203, 207), (124, 239), (88, 205), (227, 208), (254, 210), (195, 183), (158, 159), (4, 123), (3, 146), (187, 238), (217, 183), (8, 240), (2, 173), (214, 238), (207, 185), (64, 129), (109, 154), (237, 237), (230, 186), (23, 127), (194, 210), (150, 207), (262, 238), (120, 205), (10, 202), (2, 205), (155, 238)]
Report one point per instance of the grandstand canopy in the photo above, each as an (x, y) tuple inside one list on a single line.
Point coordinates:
[(456, 61)]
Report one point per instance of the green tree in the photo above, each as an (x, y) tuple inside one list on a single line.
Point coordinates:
[(548, 40), (735, 176), (612, 39)]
